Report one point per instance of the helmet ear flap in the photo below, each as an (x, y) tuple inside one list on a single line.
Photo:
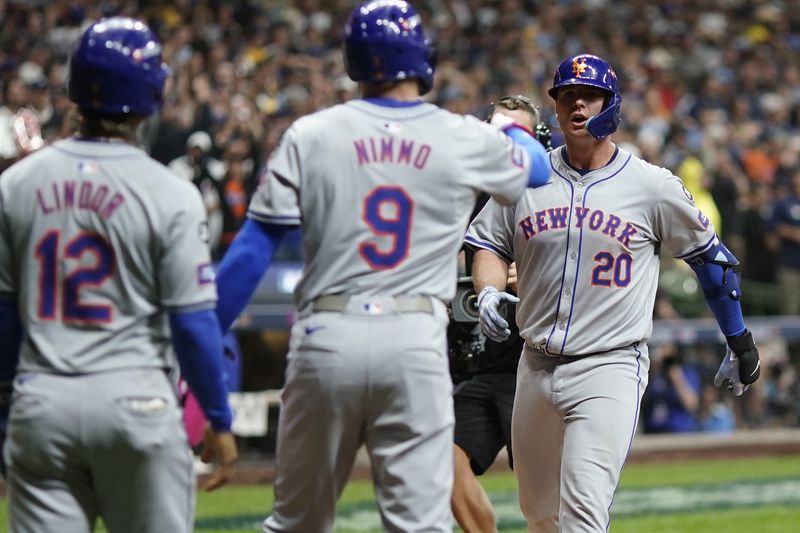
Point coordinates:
[(606, 122)]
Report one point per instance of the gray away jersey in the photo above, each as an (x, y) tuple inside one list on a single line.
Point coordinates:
[(590, 245), (384, 195), (99, 241)]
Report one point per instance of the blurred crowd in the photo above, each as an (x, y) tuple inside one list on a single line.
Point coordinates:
[(710, 90)]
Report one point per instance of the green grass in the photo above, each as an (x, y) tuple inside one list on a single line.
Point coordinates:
[(228, 510)]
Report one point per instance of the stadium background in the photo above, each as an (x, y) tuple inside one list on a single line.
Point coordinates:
[(711, 90)]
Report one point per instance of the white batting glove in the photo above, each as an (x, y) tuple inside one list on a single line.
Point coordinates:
[(492, 323), (501, 121), (728, 374), (741, 365)]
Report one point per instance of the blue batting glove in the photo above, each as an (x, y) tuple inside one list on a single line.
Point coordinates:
[(493, 325)]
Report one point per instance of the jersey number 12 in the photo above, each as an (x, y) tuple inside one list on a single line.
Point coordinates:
[(65, 286)]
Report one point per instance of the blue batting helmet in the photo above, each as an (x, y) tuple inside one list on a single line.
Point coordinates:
[(116, 68), (587, 69), (384, 41)]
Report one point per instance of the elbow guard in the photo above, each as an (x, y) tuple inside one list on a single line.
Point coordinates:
[(717, 271)]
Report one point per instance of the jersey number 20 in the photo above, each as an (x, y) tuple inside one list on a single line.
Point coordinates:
[(387, 211), (610, 268), (66, 285)]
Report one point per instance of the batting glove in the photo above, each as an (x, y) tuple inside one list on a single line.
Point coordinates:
[(493, 325), (741, 366), (501, 121)]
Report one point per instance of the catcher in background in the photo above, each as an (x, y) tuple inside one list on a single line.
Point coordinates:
[(484, 374)]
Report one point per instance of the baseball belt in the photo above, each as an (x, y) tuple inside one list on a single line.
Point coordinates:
[(404, 304)]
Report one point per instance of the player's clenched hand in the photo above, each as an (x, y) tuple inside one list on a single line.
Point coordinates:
[(222, 446), (741, 365), (492, 323)]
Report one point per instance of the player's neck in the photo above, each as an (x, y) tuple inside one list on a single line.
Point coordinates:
[(590, 156), (404, 90)]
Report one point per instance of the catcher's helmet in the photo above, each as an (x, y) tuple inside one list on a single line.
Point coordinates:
[(587, 69), (116, 68), (384, 41)]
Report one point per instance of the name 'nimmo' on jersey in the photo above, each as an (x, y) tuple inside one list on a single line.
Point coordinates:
[(392, 150)]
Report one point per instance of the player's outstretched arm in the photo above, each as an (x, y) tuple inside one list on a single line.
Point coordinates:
[(489, 277), (716, 270), (197, 340), (243, 266), (539, 173)]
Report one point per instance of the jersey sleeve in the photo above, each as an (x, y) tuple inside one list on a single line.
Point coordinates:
[(680, 224), (493, 230), (7, 283), (277, 199), (501, 167), (186, 274)]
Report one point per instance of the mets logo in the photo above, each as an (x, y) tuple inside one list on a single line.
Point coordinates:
[(578, 68)]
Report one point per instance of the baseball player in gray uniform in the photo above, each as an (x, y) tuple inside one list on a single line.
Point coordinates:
[(383, 187), (587, 247), (104, 267)]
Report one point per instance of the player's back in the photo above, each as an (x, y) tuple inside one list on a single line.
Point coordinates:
[(386, 192), (91, 227)]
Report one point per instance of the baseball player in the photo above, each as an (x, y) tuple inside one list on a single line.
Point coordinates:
[(485, 381), (104, 266), (383, 187), (586, 247)]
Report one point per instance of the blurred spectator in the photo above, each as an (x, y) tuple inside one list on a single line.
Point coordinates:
[(759, 257), (20, 132), (780, 394), (715, 415), (672, 399), (207, 173), (786, 221), (237, 190)]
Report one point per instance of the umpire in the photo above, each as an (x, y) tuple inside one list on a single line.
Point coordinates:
[(484, 374)]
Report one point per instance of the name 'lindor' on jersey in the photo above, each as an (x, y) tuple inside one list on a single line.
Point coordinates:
[(83, 194), (593, 219), (392, 150)]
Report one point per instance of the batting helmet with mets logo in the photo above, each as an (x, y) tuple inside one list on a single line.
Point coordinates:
[(587, 69), (384, 41), (116, 68)]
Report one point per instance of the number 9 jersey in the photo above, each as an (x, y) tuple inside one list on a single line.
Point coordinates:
[(593, 241), (85, 228)]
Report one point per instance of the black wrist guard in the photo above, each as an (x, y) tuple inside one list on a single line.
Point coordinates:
[(745, 349)]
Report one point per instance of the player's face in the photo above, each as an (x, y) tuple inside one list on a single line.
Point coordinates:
[(577, 104)]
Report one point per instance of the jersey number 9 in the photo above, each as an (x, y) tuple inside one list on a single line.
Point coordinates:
[(388, 212)]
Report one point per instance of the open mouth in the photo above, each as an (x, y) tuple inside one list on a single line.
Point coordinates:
[(578, 120)]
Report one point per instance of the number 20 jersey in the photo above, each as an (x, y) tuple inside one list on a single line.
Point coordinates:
[(98, 242), (384, 194), (587, 250)]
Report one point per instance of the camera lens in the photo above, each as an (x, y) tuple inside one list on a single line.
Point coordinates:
[(471, 304)]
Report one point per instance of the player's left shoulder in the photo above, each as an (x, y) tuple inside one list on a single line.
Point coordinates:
[(647, 174)]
